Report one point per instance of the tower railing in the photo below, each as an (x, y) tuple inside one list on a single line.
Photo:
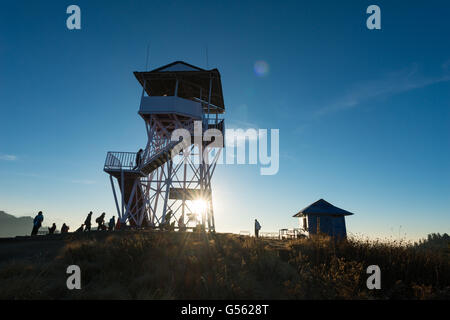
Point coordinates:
[(120, 161), (215, 124)]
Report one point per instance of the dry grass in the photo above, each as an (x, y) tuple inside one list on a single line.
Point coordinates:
[(172, 265)]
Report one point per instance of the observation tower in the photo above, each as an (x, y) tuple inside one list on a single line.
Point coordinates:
[(168, 184)]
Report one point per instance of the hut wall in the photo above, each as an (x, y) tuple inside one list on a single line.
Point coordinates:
[(325, 224), (339, 227), (331, 225), (312, 224)]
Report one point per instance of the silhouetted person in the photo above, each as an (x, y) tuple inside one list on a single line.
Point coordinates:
[(257, 228), (111, 224), (37, 222), (138, 158), (80, 229), (101, 222), (166, 224), (52, 229), (64, 228), (181, 224), (87, 222)]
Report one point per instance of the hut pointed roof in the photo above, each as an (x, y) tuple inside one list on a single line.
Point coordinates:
[(322, 207)]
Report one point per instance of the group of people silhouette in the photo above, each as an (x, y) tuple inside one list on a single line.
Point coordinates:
[(86, 226)]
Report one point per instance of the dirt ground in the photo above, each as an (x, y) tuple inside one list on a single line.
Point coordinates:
[(39, 248)]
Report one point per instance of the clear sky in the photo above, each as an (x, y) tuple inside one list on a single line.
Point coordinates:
[(363, 114)]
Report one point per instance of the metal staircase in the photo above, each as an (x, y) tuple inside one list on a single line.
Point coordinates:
[(159, 158)]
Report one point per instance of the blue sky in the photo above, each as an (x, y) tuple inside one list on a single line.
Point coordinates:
[(363, 114)]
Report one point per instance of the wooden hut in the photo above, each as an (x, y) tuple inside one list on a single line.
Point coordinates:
[(323, 217)]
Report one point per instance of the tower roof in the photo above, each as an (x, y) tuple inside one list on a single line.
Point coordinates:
[(322, 207), (177, 66), (160, 82)]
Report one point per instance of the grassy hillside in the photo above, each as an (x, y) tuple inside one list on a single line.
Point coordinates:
[(172, 265)]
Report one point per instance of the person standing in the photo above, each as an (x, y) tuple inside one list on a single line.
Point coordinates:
[(112, 223), (101, 221), (52, 229), (138, 159), (181, 224), (257, 228), (37, 222), (64, 228), (87, 222)]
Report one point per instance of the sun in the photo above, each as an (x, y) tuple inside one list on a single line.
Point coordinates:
[(199, 206)]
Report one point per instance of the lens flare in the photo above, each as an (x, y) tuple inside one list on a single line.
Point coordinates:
[(261, 68)]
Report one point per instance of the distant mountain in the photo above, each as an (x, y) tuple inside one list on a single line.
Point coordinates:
[(11, 226)]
